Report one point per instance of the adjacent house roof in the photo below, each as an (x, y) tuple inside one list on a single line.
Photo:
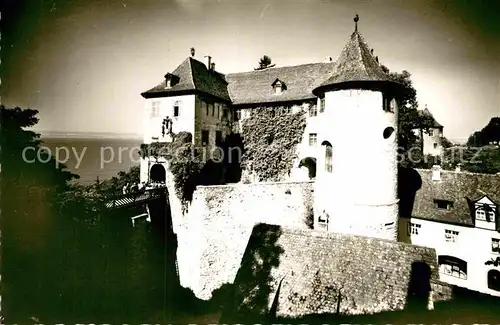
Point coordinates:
[(355, 64), (461, 188), (425, 112), (256, 86), (193, 77), (301, 272)]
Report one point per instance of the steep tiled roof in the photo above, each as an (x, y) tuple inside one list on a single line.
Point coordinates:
[(304, 270), (458, 187), (425, 112), (193, 76), (355, 63), (256, 86)]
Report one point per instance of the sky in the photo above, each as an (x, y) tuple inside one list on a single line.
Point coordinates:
[(83, 63)]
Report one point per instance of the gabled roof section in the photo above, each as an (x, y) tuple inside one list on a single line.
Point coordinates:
[(247, 88), (193, 77), (462, 188), (426, 113), (355, 64)]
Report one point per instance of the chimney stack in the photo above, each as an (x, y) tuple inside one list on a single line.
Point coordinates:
[(436, 173), (208, 61)]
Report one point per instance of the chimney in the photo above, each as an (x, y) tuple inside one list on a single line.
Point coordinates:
[(208, 61), (212, 66), (436, 173)]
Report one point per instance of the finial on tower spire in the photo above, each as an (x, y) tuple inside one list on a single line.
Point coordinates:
[(356, 19)]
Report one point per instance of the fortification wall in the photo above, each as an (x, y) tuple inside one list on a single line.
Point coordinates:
[(311, 272), (215, 231)]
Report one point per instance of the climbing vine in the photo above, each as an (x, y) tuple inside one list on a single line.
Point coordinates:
[(270, 137), (184, 160)]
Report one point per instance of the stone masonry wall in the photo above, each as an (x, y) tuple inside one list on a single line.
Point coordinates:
[(215, 231), (314, 269)]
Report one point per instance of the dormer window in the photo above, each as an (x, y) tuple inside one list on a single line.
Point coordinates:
[(171, 80), (443, 204), (278, 86), (485, 213)]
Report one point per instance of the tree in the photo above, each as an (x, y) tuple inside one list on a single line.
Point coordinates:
[(265, 62), (409, 117), (31, 184), (490, 133)]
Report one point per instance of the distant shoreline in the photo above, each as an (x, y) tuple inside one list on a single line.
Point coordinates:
[(87, 135)]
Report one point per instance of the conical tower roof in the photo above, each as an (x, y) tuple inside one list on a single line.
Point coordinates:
[(356, 64)]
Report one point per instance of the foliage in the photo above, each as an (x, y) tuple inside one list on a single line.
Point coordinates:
[(265, 62), (409, 117), (185, 162), (270, 138), (474, 160), (490, 133)]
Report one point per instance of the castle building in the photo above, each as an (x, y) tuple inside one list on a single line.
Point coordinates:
[(431, 141), (358, 190)]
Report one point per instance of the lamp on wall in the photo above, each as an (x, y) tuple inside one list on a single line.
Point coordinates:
[(494, 262)]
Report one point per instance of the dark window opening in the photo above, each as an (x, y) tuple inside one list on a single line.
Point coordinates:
[(494, 280), (176, 109), (204, 137), (388, 131), (218, 138), (443, 204)]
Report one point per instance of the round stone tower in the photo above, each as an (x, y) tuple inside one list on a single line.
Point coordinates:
[(356, 180)]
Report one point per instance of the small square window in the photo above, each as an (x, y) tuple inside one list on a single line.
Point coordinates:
[(431, 132), (322, 105), (443, 204), (413, 228), (495, 245), (450, 236), (435, 145), (313, 139)]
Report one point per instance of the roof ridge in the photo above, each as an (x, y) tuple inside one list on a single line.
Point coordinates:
[(277, 68), (191, 71)]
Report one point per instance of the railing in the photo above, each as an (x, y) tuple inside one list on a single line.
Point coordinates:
[(134, 198)]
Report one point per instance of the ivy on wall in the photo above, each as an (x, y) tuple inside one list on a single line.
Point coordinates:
[(185, 162), (270, 137)]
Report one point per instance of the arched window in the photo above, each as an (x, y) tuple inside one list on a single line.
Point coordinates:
[(328, 156), (452, 266), (494, 280)]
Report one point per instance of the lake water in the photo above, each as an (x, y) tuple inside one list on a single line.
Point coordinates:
[(91, 158)]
